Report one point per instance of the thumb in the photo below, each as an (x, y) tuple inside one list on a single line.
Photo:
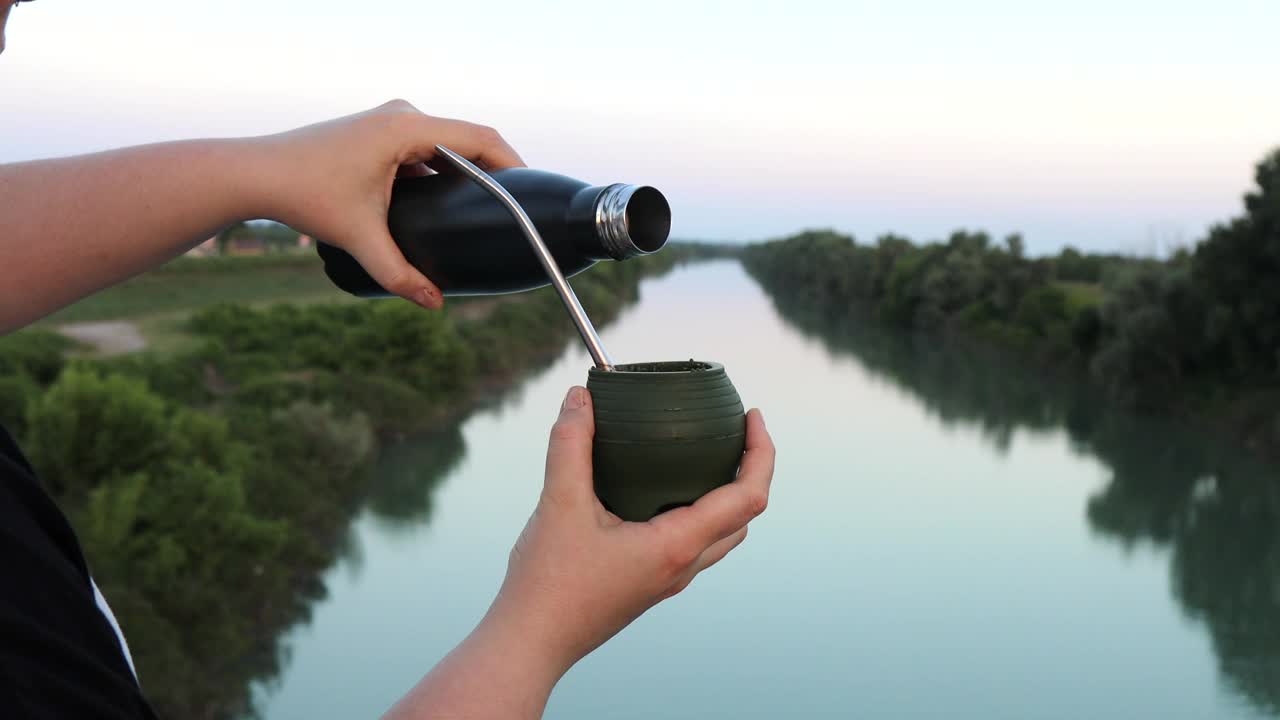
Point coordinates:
[(381, 258), (569, 452)]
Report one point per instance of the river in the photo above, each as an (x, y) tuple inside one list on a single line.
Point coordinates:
[(947, 537)]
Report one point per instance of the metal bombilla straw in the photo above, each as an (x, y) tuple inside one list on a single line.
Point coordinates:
[(567, 296)]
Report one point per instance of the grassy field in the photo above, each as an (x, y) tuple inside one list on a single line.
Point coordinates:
[(187, 284), (159, 302)]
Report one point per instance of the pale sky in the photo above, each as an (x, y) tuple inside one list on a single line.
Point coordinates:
[(1114, 125)]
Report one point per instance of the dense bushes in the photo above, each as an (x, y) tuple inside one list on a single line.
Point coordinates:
[(1201, 330), (16, 394), (36, 354), (161, 495), (968, 282), (1203, 327), (88, 430), (379, 339)]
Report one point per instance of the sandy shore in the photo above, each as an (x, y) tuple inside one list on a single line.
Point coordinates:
[(107, 338)]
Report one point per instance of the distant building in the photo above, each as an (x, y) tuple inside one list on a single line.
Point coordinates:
[(250, 245), (248, 240)]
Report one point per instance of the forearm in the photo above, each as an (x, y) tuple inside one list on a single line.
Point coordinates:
[(72, 226), (499, 671)]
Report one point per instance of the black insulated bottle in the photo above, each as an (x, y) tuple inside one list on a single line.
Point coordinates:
[(467, 243)]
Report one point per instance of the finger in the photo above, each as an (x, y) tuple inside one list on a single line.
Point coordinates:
[(386, 265), (758, 460), (709, 557), (569, 451), (728, 508), (716, 552), (477, 143)]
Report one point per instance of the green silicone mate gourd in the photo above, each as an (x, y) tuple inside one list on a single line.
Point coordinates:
[(667, 433)]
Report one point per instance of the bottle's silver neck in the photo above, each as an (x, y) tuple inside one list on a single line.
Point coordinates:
[(612, 221)]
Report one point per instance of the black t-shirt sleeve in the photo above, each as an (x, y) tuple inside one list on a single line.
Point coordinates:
[(59, 656)]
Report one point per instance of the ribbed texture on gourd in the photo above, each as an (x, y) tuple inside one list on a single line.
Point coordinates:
[(666, 433)]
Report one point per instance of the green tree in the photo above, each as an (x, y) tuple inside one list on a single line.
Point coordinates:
[(1238, 266), (87, 429)]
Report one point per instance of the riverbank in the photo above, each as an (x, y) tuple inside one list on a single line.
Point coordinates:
[(1055, 330), (1193, 337), (211, 481)]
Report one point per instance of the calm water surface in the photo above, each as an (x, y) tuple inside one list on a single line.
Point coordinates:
[(947, 538)]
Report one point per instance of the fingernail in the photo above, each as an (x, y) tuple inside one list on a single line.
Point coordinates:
[(574, 399), (427, 299)]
